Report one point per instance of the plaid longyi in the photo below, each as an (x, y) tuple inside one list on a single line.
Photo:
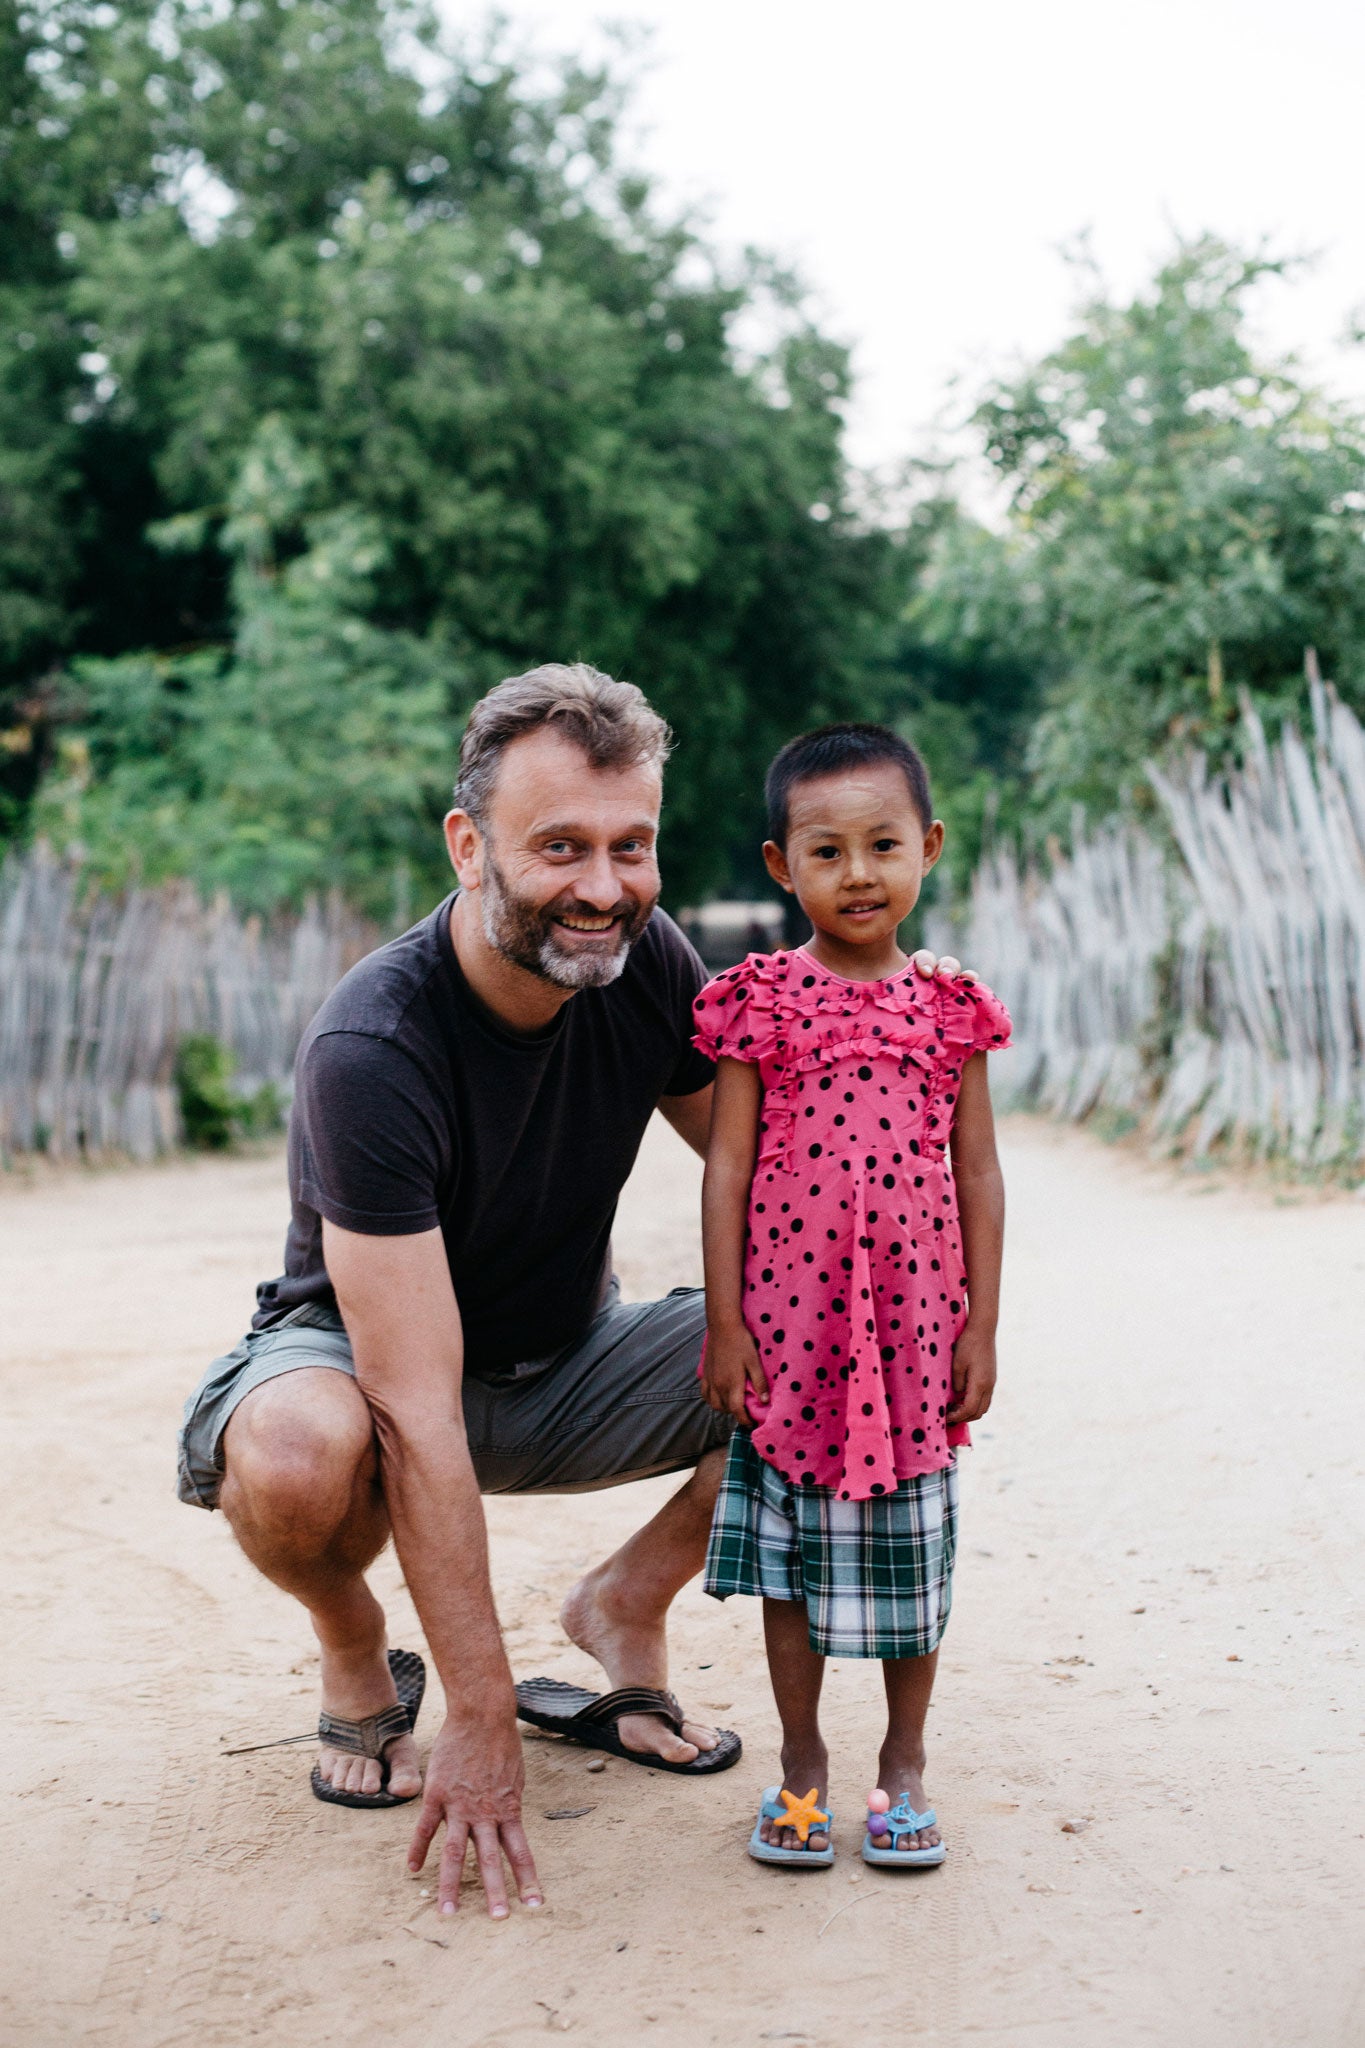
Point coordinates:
[(876, 1575)]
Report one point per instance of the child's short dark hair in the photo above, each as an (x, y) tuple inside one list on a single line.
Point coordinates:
[(834, 747)]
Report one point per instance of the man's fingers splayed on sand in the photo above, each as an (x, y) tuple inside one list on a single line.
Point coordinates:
[(474, 1784)]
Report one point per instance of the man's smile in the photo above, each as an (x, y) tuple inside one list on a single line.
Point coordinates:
[(578, 922)]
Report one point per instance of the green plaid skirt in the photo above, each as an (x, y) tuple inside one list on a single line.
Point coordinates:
[(876, 1575)]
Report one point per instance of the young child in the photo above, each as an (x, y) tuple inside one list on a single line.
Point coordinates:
[(852, 1276)]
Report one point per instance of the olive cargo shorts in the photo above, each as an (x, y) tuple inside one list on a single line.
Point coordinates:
[(622, 1403)]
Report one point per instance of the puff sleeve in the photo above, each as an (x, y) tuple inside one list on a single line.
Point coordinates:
[(733, 1020), (991, 1025)]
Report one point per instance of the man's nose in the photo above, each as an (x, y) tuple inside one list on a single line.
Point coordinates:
[(599, 885)]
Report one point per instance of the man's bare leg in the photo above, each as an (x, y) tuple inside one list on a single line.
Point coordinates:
[(302, 1494), (618, 1613)]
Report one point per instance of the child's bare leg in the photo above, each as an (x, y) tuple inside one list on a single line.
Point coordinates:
[(909, 1687), (797, 1675)]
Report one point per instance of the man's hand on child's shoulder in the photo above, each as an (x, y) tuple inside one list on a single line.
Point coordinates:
[(940, 967)]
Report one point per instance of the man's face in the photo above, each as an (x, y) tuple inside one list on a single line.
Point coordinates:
[(566, 869)]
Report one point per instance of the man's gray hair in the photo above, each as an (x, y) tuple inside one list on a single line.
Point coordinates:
[(612, 722)]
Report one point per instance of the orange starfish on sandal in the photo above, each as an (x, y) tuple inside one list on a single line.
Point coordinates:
[(802, 1814), (804, 1817)]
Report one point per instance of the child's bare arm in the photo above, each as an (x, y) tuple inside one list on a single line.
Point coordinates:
[(981, 1207), (732, 1363)]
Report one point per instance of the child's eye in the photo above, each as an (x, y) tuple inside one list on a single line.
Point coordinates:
[(827, 853), (886, 846)]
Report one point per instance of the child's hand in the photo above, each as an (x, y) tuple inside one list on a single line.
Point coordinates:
[(973, 1376), (734, 1382)]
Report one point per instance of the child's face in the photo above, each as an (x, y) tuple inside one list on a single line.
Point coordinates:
[(856, 853)]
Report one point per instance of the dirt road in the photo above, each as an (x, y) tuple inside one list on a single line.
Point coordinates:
[(1154, 1644)]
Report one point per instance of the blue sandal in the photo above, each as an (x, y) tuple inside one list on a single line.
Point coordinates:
[(904, 1821), (772, 1852)]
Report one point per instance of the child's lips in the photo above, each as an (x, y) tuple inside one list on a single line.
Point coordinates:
[(861, 909)]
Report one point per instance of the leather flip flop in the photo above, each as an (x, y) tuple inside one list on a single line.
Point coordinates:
[(372, 1736), (590, 1718)]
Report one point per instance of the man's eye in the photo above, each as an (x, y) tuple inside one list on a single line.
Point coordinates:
[(559, 846)]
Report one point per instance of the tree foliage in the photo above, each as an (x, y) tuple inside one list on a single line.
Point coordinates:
[(344, 370), (1183, 521), (493, 358), (316, 753)]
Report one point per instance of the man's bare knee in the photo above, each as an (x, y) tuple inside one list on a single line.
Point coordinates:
[(299, 1452)]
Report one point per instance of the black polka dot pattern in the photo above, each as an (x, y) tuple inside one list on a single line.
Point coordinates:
[(854, 1287)]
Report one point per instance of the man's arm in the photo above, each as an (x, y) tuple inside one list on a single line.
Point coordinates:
[(690, 1115), (400, 1311), (981, 1209)]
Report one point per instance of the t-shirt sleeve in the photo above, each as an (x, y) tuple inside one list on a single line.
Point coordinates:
[(374, 1147), (686, 975), (724, 1025)]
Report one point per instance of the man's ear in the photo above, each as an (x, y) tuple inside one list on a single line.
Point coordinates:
[(776, 861), (464, 844), (933, 844)]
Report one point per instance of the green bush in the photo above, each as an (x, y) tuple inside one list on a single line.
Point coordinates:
[(203, 1068), (212, 1115)]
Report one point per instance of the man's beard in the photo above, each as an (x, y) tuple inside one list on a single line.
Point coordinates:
[(527, 934)]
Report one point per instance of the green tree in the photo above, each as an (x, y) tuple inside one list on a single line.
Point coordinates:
[(1184, 520), (963, 671), (484, 341), (315, 754), (40, 510)]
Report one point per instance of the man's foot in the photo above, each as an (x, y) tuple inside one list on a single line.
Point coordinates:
[(901, 1774), (598, 1617), (799, 1772), (356, 1684)]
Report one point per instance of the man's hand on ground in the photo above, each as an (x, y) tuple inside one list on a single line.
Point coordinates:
[(474, 1783)]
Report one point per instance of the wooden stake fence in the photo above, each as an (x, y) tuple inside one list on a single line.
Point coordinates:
[(98, 991), (1216, 986), (1212, 984)]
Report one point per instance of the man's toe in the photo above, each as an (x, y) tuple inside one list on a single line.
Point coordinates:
[(359, 1771), (405, 1777), (648, 1733), (674, 1750), (703, 1737)]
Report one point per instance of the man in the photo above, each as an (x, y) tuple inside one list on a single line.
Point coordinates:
[(469, 1102)]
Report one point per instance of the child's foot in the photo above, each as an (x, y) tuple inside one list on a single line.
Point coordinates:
[(901, 1773), (799, 1774)]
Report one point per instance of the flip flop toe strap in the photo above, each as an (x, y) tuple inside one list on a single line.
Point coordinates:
[(905, 1821), (369, 1737), (632, 1699)]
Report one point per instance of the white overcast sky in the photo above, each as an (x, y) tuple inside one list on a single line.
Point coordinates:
[(922, 164)]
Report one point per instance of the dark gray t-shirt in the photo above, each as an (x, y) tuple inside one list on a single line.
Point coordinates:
[(414, 1107)]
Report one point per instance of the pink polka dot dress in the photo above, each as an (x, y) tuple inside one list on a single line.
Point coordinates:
[(854, 1289)]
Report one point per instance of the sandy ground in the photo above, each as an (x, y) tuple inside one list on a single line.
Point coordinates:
[(1154, 1640)]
